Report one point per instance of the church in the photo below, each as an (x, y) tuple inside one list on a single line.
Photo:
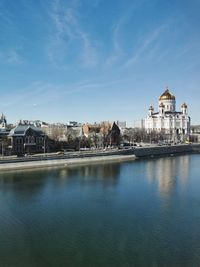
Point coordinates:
[(167, 120)]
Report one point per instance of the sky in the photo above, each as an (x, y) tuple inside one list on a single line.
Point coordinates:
[(97, 60)]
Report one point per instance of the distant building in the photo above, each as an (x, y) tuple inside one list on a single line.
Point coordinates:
[(36, 123), (74, 130), (3, 123), (26, 139), (121, 124), (106, 133), (55, 131), (115, 135), (195, 129), (74, 124), (195, 133), (4, 127), (102, 128), (167, 120), (139, 124)]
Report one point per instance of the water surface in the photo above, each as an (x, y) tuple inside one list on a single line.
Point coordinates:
[(142, 213)]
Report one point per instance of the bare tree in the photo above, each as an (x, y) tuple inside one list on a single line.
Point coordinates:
[(57, 133)]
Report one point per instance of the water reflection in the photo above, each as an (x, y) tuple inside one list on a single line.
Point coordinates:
[(183, 169), (165, 171), (31, 182), (24, 183), (107, 174)]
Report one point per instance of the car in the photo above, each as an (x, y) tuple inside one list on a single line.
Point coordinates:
[(60, 153), (187, 142)]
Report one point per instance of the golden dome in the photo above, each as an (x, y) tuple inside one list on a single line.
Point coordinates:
[(184, 105), (167, 95)]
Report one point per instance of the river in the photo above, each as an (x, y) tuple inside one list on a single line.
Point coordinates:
[(142, 213)]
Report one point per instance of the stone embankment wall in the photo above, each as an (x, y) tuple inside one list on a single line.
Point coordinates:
[(96, 156), (166, 150), (61, 162)]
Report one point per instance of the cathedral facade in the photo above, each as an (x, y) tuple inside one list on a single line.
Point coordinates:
[(167, 120)]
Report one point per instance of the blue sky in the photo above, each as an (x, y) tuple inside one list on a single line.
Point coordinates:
[(93, 60)]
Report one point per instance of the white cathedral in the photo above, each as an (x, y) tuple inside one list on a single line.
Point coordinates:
[(167, 120)]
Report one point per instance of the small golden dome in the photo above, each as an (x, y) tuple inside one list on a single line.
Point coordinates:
[(151, 108), (184, 105), (167, 95)]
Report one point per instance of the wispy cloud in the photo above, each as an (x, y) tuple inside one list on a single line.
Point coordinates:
[(117, 50), (53, 93), (89, 55), (118, 29), (68, 34), (47, 92), (13, 98), (148, 45), (5, 16), (11, 57), (10, 47)]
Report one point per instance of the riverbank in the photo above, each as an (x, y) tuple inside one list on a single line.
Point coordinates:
[(79, 158), (157, 151), (64, 162)]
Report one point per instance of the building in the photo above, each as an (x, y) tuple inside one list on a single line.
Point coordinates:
[(74, 124), (102, 128), (121, 124), (195, 129), (195, 133), (55, 131), (74, 131), (167, 120), (3, 123), (27, 139), (138, 124), (107, 133)]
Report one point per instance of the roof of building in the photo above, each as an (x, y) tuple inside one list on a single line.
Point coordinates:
[(21, 130), (184, 105), (167, 95)]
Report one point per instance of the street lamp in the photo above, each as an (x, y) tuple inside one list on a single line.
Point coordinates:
[(2, 148)]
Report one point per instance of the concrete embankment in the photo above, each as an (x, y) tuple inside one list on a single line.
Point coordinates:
[(166, 150), (78, 158), (64, 162)]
